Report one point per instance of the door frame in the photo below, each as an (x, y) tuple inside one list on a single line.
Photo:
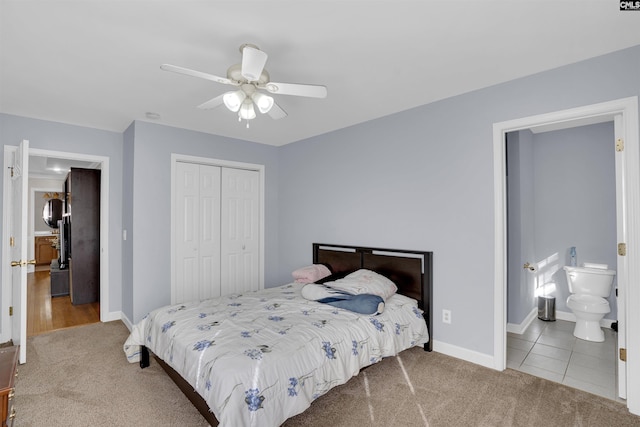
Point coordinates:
[(102, 163), (175, 158), (627, 109)]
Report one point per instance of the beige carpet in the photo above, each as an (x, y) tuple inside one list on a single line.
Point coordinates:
[(80, 377)]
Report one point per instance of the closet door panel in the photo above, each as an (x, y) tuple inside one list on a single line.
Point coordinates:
[(186, 232), (209, 231), (240, 241), (197, 233)]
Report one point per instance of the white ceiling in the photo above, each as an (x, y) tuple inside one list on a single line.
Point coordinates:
[(97, 63)]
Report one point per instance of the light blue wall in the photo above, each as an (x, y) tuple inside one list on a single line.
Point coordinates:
[(128, 154), (520, 226), (423, 179), (561, 190), (153, 145), (575, 202), (75, 139)]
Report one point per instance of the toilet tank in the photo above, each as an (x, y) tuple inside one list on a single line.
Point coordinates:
[(590, 281)]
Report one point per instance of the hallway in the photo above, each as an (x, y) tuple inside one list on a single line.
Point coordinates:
[(46, 314)]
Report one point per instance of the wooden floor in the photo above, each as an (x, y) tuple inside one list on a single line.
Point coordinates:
[(46, 314)]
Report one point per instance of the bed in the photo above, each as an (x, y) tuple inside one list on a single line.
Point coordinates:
[(263, 357)]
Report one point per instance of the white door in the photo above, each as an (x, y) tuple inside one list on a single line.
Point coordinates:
[(18, 242), (240, 234), (197, 233), (622, 269), (209, 224)]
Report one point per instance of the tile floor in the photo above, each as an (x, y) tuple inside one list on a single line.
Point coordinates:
[(549, 350)]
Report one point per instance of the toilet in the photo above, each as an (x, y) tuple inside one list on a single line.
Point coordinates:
[(589, 287)]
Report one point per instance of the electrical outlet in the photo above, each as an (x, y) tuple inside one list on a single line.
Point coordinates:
[(446, 316)]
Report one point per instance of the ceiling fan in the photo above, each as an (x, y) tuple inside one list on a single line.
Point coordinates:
[(250, 79)]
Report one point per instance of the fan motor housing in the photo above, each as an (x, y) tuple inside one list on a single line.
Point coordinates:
[(235, 73)]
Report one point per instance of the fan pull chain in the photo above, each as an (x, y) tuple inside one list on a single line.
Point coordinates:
[(240, 120)]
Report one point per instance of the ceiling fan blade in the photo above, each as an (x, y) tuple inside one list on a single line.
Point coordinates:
[(313, 91), (253, 62), (276, 112), (212, 103), (199, 74)]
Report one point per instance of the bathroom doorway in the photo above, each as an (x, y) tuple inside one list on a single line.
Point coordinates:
[(624, 113)]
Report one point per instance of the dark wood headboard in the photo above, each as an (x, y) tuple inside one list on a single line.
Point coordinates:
[(411, 271)]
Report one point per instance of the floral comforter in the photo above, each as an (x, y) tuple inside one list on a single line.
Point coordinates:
[(262, 357)]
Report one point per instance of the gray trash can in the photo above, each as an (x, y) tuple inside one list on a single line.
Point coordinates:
[(547, 308)]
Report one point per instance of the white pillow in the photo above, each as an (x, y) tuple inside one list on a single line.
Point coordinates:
[(365, 282)]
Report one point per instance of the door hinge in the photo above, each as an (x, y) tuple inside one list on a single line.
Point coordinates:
[(12, 241), (10, 310), (11, 171), (623, 354), (619, 144), (622, 249)]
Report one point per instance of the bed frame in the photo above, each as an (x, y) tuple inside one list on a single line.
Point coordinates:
[(411, 271)]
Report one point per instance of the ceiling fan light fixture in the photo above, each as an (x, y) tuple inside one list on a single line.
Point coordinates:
[(246, 110), (233, 100), (262, 101)]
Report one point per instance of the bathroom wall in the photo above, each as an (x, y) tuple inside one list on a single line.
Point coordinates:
[(561, 193), (575, 199)]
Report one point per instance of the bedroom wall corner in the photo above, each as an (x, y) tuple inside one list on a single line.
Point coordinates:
[(150, 228), (57, 137), (128, 149)]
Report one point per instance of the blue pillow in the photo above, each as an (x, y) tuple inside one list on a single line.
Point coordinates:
[(360, 303)]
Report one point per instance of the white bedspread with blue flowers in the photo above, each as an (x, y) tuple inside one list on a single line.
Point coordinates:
[(262, 357)]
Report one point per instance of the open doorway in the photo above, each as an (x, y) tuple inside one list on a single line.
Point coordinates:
[(49, 305), (561, 194), (624, 113), (14, 296)]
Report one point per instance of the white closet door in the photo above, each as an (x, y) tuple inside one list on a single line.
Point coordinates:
[(209, 231), (197, 233), (240, 242)]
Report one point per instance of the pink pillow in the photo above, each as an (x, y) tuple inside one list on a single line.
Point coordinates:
[(311, 273)]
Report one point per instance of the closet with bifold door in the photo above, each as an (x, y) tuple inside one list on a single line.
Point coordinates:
[(216, 234)]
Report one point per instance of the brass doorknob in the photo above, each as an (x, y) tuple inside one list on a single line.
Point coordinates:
[(22, 263)]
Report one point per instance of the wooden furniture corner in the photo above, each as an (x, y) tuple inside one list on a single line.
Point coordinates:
[(8, 373)]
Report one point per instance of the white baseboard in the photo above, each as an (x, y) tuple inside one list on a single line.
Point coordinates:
[(488, 360), (519, 329), (118, 315), (111, 316), (126, 321), (464, 354)]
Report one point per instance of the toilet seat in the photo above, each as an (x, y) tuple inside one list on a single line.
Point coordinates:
[(588, 303)]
